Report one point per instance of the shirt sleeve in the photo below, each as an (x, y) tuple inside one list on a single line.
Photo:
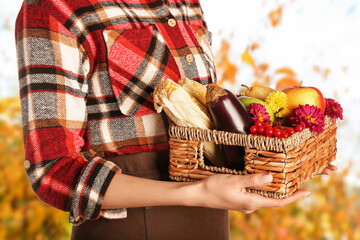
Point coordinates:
[(53, 69)]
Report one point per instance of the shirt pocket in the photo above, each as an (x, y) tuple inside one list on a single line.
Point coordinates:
[(137, 60), (204, 39)]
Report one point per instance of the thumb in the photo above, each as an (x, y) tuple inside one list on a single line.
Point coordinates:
[(256, 180)]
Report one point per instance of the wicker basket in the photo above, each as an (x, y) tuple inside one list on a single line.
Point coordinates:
[(291, 161)]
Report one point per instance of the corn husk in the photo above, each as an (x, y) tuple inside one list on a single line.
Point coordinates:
[(184, 110), (197, 90)]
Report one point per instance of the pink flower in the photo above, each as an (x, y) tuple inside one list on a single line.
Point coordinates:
[(333, 109), (258, 112), (309, 117)]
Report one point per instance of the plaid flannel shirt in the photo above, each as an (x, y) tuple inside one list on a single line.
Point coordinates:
[(87, 70)]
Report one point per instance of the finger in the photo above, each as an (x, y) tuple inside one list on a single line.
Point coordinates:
[(256, 180), (326, 172), (296, 196), (332, 167), (264, 202)]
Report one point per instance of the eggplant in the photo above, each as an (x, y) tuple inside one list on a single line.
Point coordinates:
[(230, 115)]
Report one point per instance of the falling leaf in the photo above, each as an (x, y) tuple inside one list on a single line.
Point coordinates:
[(261, 78), (254, 46), (287, 81), (275, 16), (326, 73), (247, 58), (225, 68), (316, 69), (264, 67), (285, 70), (257, 83), (230, 73)]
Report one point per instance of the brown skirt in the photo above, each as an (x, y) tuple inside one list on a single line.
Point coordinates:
[(156, 223)]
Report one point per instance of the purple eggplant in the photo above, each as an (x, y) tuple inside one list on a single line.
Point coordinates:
[(230, 115)]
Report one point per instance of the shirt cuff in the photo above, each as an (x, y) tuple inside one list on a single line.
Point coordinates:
[(90, 190), (120, 213)]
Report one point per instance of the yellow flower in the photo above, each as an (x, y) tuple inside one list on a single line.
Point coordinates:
[(277, 101)]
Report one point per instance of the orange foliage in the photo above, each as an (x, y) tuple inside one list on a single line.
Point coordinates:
[(286, 71), (261, 79), (257, 83), (288, 78), (316, 69), (287, 81), (264, 67), (247, 58), (254, 46), (332, 211), (22, 215), (275, 16), (226, 69), (324, 72)]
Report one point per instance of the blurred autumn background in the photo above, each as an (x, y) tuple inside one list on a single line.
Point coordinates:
[(265, 42)]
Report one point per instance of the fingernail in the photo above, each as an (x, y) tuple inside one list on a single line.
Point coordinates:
[(307, 194), (267, 178)]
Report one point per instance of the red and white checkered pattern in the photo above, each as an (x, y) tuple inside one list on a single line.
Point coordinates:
[(87, 70)]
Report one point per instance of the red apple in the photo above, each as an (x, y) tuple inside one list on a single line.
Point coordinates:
[(301, 95)]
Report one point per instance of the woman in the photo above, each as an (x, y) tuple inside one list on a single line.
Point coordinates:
[(94, 144)]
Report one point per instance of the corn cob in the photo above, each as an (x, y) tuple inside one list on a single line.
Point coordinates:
[(197, 90), (184, 110)]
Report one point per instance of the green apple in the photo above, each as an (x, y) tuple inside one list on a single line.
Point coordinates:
[(246, 101)]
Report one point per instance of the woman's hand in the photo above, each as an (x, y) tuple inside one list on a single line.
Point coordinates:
[(229, 192), (223, 191)]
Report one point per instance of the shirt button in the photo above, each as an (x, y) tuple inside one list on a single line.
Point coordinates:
[(172, 22), (27, 164), (189, 58)]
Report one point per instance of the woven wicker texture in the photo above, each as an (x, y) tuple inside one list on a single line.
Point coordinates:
[(291, 161)]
